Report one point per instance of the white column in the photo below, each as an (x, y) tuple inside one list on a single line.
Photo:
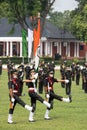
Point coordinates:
[(45, 48), (7, 48), (4, 44), (60, 48), (51, 48), (86, 56), (66, 45), (11, 49), (20, 49), (41, 49), (77, 49), (68, 49), (57, 47), (17, 48)]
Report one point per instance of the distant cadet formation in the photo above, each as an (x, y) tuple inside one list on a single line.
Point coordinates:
[(74, 73), (39, 80)]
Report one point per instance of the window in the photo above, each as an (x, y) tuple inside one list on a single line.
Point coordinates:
[(55, 44), (14, 50), (81, 47)]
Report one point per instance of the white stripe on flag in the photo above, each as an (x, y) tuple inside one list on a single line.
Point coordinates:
[(36, 62), (30, 42), (37, 57)]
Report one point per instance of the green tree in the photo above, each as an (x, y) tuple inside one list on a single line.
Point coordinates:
[(56, 18), (62, 20), (3, 9), (79, 21), (18, 10)]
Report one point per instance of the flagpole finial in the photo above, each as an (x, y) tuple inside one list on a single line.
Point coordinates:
[(38, 14)]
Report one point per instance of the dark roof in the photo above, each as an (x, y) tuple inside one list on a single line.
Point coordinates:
[(5, 28), (50, 30)]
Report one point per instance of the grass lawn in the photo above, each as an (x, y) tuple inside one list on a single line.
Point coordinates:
[(65, 116)]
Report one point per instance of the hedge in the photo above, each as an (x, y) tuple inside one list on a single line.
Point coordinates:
[(18, 60)]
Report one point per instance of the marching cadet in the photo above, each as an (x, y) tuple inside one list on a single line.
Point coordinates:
[(9, 68), (41, 74), (85, 78), (73, 71), (27, 71), (68, 75), (40, 79), (50, 94), (21, 66), (62, 71), (14, 96), (46, 70), (52, 66), (32, 91), (20, 77), (0, 67), (78, 70)]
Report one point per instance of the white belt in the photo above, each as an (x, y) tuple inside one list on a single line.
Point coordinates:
[(31, 89), (15, 91), (49, 88)]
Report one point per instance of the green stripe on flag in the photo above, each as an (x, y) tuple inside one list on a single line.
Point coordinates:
[(24, 43)]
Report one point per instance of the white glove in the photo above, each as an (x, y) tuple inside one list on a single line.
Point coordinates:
[(33, 81), (35, 90), (66, 81), (47, 96), (12, 99), (36, 75)]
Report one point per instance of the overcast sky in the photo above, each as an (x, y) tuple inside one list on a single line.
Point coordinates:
[(62, 5)]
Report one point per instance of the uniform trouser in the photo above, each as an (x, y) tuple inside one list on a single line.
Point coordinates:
[(0, 70), (62, 83), (40, 87), (9, 75), (73, 77), (85, 87), (77, 79), (68, 88), (34, 96), (17, 100), (83, 84), (52, 97), (20, 87)]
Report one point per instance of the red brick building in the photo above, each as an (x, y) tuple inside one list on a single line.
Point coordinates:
[(53, 41)]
